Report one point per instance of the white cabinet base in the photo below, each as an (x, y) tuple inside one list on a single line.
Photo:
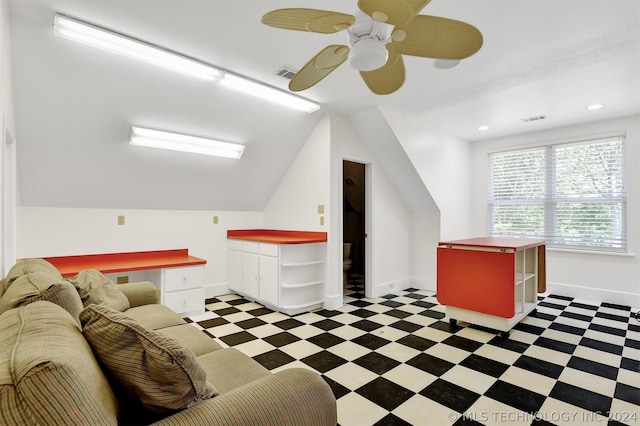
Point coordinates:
[(284, 277)]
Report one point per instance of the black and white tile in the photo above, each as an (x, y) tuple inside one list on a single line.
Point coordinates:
[(397, 360)]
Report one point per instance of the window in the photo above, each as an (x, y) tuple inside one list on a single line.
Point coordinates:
[(572, 195)]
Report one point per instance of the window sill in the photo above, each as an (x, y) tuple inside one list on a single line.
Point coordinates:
[(590, 252)]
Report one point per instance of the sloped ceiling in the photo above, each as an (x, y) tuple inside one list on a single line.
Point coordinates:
[(74, 104)]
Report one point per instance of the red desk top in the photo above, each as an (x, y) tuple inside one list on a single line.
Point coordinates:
[(124, 262), (275, 236), (496, 242)]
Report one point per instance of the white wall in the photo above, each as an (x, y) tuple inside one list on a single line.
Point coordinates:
[(593, 276), (53, 231), (315, 177), (389, 224), (294, 203), (442, 161), (7, 147)]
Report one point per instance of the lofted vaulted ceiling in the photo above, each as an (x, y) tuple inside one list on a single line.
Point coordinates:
[(74, 104)]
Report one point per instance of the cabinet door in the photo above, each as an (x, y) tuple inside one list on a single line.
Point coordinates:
[(234, 270), (250, 275), (269, 282)]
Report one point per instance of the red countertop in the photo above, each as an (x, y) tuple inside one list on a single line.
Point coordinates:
[(124, 262), (495, 242), (276, 236)]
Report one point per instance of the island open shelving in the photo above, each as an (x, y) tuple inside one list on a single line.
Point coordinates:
[(492, 282)]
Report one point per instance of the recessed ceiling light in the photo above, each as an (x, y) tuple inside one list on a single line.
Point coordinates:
[(594, 107), (483, 128)]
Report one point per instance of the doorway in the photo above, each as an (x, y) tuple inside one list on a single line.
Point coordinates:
[(354, 228)]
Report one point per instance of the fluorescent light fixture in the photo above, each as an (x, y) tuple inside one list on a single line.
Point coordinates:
[(177, 142), (127, 46), (594, 107), (118, 43), (483, 128), (268, 93)]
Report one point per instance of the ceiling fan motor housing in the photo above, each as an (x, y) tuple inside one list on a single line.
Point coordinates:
[(367, 39)]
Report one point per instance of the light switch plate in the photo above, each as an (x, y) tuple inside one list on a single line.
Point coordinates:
[(320, 208)]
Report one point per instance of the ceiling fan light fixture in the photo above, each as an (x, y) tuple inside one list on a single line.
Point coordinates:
[(368, 54), (445, 64)]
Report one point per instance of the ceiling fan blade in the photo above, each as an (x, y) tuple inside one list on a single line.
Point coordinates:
[(321, 65), (393, 12), (314, 20), (388, 78), (440, 38)]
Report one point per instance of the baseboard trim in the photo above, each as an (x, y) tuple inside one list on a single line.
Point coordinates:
[(596, 294), (333, 301), (213, 290)]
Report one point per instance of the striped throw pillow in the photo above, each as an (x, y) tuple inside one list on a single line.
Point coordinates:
[(157, 371)]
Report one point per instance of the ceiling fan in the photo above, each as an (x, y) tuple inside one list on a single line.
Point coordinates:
[(378, 35)]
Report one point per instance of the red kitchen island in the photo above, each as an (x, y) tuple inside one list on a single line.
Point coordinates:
[(492, 282)]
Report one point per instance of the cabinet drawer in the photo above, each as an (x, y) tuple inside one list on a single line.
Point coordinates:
[(250, 247), (185, 301), (183, 278), (269, 249), (234, 245)]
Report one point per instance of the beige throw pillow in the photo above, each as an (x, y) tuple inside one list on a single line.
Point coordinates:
[(41, 285), (94, 287), (162, 375)]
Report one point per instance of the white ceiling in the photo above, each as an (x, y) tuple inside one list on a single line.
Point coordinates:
[(75, 104)]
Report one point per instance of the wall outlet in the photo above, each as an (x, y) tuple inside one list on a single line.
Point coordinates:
[(215, 220), (321, 220), (122, 280), (120, 220)]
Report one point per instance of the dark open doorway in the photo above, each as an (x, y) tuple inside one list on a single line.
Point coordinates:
[(354, 228)]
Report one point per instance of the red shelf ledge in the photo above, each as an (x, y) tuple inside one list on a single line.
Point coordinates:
[(276, 236), (124, 262)]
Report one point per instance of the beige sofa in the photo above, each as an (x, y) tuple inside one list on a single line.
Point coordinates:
[(87, 351)]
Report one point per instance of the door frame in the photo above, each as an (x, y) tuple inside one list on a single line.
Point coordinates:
[(368, 221)]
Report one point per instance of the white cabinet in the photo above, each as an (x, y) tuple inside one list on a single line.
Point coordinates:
[(285, 277), (181, 288), (269, 274)]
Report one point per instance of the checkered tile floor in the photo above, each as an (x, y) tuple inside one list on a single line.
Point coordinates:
[(397, 359)]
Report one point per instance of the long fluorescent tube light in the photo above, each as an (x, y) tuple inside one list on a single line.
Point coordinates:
[(268, 93), (177, 142), (118, 43), (127, 46)]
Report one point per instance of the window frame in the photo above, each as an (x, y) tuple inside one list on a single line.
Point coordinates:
[(551, 201)]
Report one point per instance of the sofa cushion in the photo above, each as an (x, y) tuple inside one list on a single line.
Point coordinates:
[(42, 285), (94, 287), (155, 316), (48, 374), (23, 267), (191, 338), (229, 369), (154, 370)]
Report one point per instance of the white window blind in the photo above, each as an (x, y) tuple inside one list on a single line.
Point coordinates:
[(572, 195)]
